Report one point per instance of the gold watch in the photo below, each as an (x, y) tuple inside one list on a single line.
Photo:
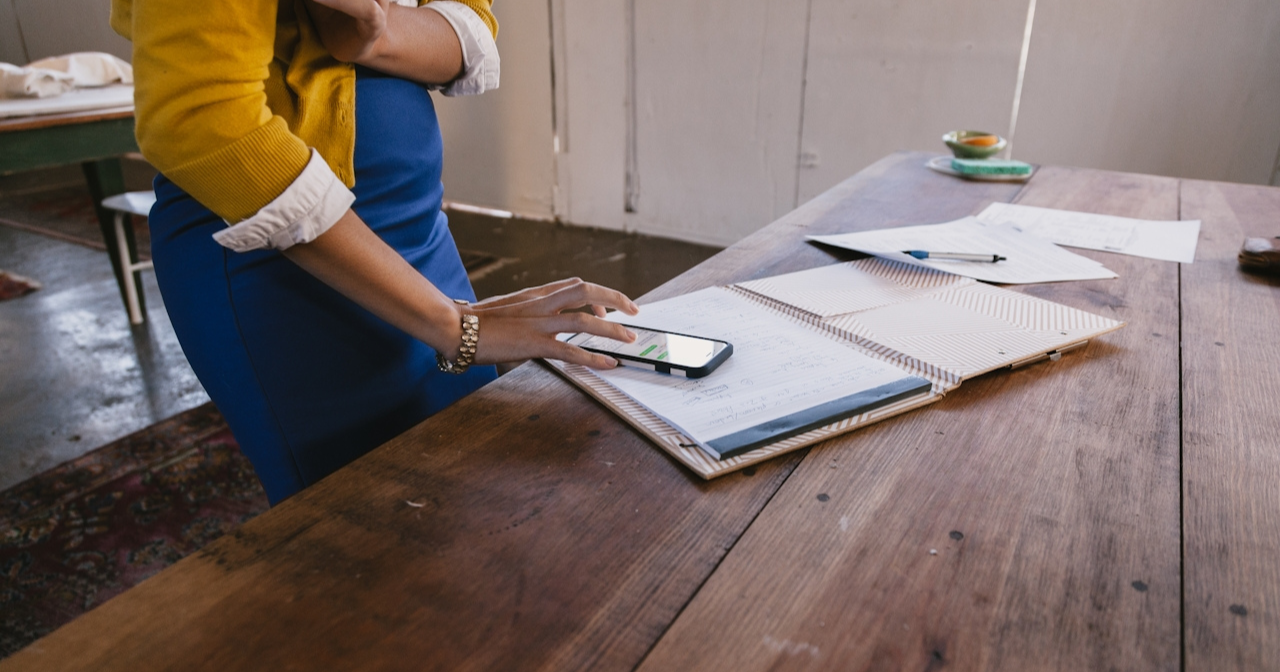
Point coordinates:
[(467, 351)]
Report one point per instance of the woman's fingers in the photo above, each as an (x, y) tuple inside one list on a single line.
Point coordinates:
[(504, 338), (567, 296), (572, 354), (527, 294), (591, 294), (582, 323)]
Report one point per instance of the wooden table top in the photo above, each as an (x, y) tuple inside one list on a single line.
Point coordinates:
[(1117, 509), (64, 119)]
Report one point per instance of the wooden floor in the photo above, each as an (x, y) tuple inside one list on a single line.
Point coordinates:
[(1118, 509)]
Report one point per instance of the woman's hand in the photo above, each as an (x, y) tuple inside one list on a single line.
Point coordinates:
[(352, 30), (524, 324), (353, 260)]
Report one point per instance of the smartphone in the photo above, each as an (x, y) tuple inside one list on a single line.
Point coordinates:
[(661, 351)]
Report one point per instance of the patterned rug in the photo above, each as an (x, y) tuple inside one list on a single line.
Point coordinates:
[(89, 529), (12, 286)]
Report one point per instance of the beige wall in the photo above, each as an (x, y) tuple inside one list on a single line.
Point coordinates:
[(11, 48), (1174, 87), (52, 27), (499, 147), (706, 120), (743, 110)]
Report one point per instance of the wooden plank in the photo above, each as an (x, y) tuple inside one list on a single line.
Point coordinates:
[(525, 527), (1231, 434), (62, 144), (47, 120), (1050, 495)]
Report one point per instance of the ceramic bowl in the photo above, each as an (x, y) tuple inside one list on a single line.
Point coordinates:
[(964, 151)]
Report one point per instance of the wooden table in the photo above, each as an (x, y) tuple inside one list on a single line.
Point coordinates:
[(95, 139), (1117, 509)]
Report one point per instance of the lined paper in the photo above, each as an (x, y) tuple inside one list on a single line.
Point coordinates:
[(1030, 259), (779, 368), (1165, 240)]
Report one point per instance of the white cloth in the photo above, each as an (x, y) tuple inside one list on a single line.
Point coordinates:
[(17, 82), (481, 66), (311, 205), (57, 75)]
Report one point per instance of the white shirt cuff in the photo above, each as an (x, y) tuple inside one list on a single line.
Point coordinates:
[(481, 65), (315, 201)]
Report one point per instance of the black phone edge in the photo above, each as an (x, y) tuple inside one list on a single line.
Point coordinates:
[(699, 372)]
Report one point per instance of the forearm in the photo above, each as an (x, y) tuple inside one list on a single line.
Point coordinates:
[(350, 258), (419, 44), (353, 260)]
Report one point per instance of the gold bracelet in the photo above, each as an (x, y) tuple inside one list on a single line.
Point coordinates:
[(467, 351)]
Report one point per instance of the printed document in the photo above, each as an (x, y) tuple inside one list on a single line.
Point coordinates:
[(1167, 240), (1028, 258)]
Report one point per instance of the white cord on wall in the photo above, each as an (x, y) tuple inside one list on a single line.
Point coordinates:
[(1022, 72)]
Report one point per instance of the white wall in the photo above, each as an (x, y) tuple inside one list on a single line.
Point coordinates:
[(52, 27), (1174, 87), (886, 75), (499, 146), (722, 115), (745, 109), (11, 47)]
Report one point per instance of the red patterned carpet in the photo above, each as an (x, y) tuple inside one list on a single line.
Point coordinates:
[(85, 531), (12, 286)]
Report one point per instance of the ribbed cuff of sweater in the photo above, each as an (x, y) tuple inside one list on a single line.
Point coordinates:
[(315, 201), (237, 180)]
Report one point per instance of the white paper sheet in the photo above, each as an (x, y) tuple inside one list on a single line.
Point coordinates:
[(1030, 258), (1166, 240), (778, 367)]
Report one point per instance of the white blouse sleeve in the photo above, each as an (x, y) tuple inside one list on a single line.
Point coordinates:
[(312, 204), (480, 63)]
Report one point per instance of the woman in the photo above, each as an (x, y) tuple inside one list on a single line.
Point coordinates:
[(297, 236)]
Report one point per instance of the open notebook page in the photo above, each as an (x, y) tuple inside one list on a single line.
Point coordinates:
[(783, 379)]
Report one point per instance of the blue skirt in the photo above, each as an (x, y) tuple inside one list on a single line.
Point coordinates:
[(308, 380)]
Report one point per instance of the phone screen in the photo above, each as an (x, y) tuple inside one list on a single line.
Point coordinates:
[(656, 346)]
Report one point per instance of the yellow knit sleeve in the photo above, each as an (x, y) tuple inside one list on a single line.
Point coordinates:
[(484, 8), (201, 111)]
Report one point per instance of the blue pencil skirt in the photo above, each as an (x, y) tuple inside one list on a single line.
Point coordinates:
[(308, 380)]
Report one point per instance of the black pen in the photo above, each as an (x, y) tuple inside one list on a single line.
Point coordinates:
[(956, 256)]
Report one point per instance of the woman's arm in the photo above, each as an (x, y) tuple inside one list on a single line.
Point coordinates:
[(408, 42), (201, 108), (350, 258)]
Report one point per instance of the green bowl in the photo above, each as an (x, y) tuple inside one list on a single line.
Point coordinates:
[(963, 151)]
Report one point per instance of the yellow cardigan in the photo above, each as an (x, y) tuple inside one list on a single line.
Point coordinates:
[(229, 95)]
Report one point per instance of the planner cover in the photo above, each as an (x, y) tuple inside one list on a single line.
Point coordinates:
[(908, 334)]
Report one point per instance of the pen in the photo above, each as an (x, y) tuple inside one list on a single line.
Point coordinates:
[(957, 256)]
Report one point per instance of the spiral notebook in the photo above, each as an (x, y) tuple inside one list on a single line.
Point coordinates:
[(824, 351)]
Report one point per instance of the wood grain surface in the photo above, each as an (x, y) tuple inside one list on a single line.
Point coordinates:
[(1028, 521), (527, 528), (50, 120), (1231, 434)]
